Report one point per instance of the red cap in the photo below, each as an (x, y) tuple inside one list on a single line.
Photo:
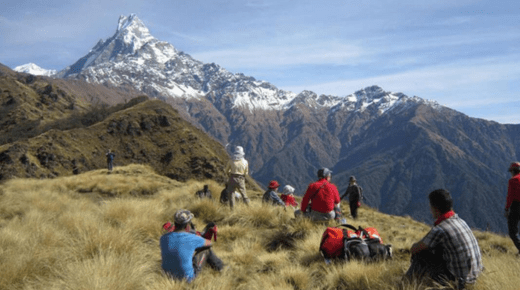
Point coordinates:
[(273, 184)]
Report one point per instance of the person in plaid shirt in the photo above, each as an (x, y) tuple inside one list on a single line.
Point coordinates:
[(449, 252)]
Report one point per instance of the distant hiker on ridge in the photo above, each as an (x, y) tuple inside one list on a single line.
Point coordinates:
[(238, 168), (110, 159), (355, 196), (512, 209), (204, 193), (183, 252), (449, 252), (271, 195), (323, 196)]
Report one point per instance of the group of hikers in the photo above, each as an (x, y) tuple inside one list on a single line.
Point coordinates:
[(449, 252)]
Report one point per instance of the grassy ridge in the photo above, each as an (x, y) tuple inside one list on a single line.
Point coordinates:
[(101, 231)]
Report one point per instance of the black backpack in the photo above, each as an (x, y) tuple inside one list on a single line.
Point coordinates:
[(378, 250)]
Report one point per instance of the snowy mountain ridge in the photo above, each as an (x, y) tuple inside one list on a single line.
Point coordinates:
[(34, 69), (133, 57)]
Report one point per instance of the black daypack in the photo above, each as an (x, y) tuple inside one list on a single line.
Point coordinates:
[(378, 250)]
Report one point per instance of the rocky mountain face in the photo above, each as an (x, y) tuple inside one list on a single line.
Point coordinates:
[(399, 147)]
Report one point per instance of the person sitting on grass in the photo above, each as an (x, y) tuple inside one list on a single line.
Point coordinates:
[(449, 252), (204, 193), (184, 253), (288, 196), (271, 195)]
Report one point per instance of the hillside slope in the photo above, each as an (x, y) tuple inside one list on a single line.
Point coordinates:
[(149, 132), (101, 231), (31, 105)]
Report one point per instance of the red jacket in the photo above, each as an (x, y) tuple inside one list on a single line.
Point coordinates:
[(289, 200), (324, 200), (513, 190)]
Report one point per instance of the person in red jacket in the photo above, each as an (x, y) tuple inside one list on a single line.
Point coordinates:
[(288, 196), (323, 196), (512, 210)]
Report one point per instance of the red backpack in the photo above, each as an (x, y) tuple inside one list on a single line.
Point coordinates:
[(369, 233), (346, 242), (335, 242)]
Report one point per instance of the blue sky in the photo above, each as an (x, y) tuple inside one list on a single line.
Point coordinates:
[(463, 54)]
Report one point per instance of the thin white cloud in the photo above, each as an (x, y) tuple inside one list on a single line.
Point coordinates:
[(331, 53), (434, 81), (258, 3)]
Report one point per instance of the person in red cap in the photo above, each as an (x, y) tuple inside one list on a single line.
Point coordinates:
[(512, 209), (271, 195)]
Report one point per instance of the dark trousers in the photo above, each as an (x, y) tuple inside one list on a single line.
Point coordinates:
[(512, 223), (353, 209), (429, 263), (206, 256), (110, 165)]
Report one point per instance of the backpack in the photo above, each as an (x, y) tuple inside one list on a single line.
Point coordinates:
[(378, 250), (353, 243), (343, 244)]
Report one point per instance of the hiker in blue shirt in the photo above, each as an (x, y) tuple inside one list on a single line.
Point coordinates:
[(184, 253), (110, 159)]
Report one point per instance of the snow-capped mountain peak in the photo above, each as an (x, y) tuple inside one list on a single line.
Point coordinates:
[(33, 69), (133, 31), (133, 57), (125, 21)]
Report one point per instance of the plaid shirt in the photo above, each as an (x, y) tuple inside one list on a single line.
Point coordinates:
[(460, 248)]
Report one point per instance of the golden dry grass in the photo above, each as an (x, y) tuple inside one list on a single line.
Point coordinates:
[(101, 231)]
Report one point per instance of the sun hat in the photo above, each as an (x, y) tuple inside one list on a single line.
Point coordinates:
[(273, 184), (239, 153), (288, 190), (182, 216)]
